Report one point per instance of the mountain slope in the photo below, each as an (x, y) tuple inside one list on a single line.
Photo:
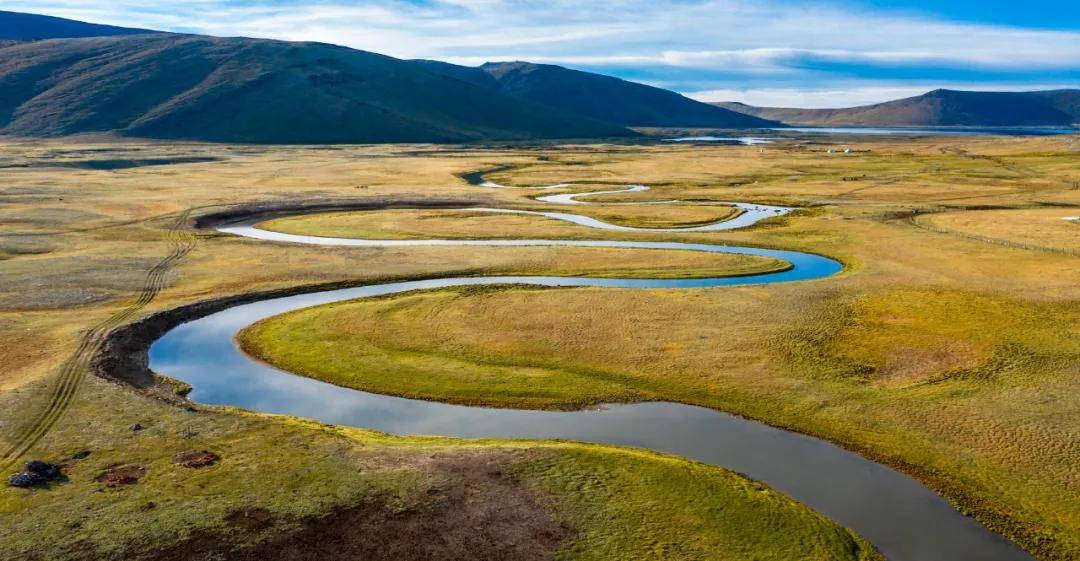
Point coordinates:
[(254, 90), (1066, 101), (596, 96), (18, 26), (472, 74), (939, 108)]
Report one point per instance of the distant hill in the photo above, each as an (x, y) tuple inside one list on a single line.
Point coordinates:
[(31, 27), (939, 108), (173, 86), (1066, 101), (597, 96)]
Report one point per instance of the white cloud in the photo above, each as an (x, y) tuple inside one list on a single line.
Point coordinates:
[(812, 45), (1060, 54), (852, 96)]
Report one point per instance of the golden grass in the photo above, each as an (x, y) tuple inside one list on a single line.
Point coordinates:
[(1056, 229), (677, 215), (465, 224)]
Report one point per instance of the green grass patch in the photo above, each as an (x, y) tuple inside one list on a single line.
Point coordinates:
[(327, 343), (635, 505)]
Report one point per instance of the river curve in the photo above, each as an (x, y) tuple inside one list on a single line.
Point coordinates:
[(900, 516)]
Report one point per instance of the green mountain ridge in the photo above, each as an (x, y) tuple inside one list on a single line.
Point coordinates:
[(63, 77), (597, 96), (191, 87)]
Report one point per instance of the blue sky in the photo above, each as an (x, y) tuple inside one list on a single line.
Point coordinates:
[(805, 53)]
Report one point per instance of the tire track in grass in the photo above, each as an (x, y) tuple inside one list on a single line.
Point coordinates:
[(74, 369)]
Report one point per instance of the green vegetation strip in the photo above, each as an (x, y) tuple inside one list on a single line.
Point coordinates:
[(631, 505)]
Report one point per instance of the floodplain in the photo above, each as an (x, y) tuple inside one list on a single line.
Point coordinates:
[(947, 348)]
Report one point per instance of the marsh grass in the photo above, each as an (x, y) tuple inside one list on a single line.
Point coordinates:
[(463, 224), (689, 511)]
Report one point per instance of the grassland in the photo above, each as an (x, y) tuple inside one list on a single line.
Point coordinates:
[(1050, 229), (675, 215), (465, 224), (948, 356)]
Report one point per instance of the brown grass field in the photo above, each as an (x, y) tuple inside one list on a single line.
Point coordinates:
[(949, 347)]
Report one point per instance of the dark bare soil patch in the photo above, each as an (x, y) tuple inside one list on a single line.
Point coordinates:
[(65, 281), (251, 520), (50, 216), (475, 512), (198, 459), (112, 164), (119, 476), (14, 247)]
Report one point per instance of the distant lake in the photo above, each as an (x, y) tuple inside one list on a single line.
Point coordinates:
[(747, 140), (953, 131)]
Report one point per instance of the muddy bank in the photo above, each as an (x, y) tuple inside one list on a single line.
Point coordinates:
[(471, 510), (477, 177), (269, 210), (477, 513), (115, 164)]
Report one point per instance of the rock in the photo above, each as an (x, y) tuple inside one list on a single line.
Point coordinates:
[(136, 427), (35, 472), (24, 480), (45, 470)]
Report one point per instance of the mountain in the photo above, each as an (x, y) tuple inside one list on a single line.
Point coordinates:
[(174, 86), (596, 96), (939, 108), (18, 26)]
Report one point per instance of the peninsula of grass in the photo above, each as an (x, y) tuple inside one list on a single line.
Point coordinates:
[(675, 215), (918, 370), (370, 490)]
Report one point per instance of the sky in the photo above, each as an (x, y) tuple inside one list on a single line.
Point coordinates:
[(793, 53)]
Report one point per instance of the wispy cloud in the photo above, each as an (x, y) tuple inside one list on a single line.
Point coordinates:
[(691, 45), (1059, 54), (850, 96)]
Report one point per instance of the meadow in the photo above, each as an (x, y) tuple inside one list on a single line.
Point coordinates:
[(938, 350)]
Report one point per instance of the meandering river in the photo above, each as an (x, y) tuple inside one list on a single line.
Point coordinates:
[(900, 516)]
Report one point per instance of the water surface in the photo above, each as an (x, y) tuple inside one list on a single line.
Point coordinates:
[(938, 131), (743, 140)]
